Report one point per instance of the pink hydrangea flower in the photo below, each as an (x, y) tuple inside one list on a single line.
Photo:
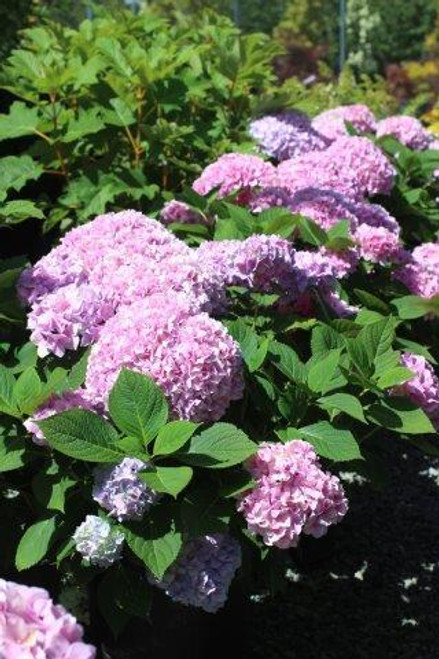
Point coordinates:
[(408, 130), (421, 271), (352, 166), (234, 172), (57, 403), (423, 387), (292, 495), (190, 356), (285, 135), (33, 627), (377, 244), (331, 123)]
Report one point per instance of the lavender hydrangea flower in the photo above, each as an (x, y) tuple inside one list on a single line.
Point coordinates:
[(190, 356), (286, 135), (202, 575), (118, 489), (33, 627), (179, 211), (420, 272), (377, 244), (97, 542), (292, 495)]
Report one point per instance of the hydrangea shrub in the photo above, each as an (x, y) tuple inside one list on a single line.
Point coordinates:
[(194, 382)]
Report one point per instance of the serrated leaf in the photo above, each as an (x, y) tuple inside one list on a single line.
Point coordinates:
[(7, 401), (82, 435), (137, 405), (170, 480), (34, 543), (16, 171), (412, 306), (156, 543), (287, 361), (19, 210), (395, 377), (21, 120), (321, 374), (27, 390), (344, 403), (220, 446), (328, 441), (173, 436)]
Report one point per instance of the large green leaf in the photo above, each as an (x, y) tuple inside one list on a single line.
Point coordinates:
[(343, 403), (34, 543), (400, 415), (328, 441), (173, 436), (170, 480), (16, 171), (222, 445), (21, 120), (82, 435), (137, 405)]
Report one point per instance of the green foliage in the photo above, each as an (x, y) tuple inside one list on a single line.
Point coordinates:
[(124, 107)]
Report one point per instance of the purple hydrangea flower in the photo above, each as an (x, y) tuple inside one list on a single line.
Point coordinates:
[(118, 489), (179, 211), (202, 575), (98, 542), (423, 387), (408, 130), (332, 123), (286, 135), (292, 495), (33, 627), (420, 273), (234, 172)]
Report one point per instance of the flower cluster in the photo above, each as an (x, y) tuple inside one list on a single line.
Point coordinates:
[(292, 495), (57, 403), (98, 542), (191, 357), (408, 130), (420, 273), (202, 575), (234, 172), (33, 627), (332, 123), (286, 135), (119, 490), (377, 244), (423, 387), (178, 211)]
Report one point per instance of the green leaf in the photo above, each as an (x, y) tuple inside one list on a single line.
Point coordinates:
[(86, 123), (8, 404), (343, 403), (371, 301), (27, 391), (137, 405), (324, 338), (128, 591), (156, 542), (78, 372), (400, 415), (417, 348), (287, 361), (412, 306), (16, 171), (171, 480), (13, 453), (311, 232), (321, 374), (173, 436), (222, 445), (82, 435), (377, 338), (395, 377), (34, 543), (19, 210), (21, 120), (329, 442), (122, 115)]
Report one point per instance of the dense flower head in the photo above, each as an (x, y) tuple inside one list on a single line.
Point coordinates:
[(352, 166), (264, 263), (189, 355), (57, 403), (377, 244), (83, 248), (420, 273), (324, 266), (423, 387), (408, 130), (33, 627), (325, 207), (119, 490), (202, 575), (234, 172), (376, 216), (98, 542), (285, 135), (179, 211), (292, 495), (332, 123)]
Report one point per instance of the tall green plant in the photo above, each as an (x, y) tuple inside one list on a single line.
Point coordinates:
[(106, 114)]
